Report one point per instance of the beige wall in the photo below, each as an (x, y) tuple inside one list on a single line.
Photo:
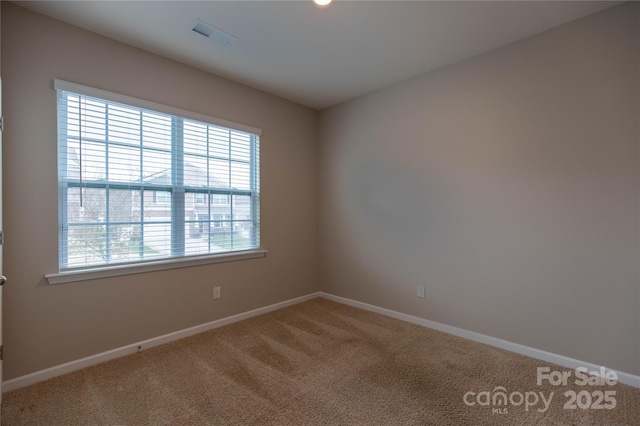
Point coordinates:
[(48, 325), (507, 185)]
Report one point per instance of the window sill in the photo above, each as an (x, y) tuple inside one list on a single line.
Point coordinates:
[(114, 271)]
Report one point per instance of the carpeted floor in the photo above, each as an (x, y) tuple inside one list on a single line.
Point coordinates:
[(316, 363)]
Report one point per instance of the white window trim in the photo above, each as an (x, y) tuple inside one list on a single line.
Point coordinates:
[(161, 265), (120, 269)]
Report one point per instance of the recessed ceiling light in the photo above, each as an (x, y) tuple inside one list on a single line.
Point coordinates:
[(322, 2)]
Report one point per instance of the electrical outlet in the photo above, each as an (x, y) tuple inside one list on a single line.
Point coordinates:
[(216, 292), (420, 291)]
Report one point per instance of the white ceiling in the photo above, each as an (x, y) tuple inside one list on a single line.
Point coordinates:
[(316, 56)]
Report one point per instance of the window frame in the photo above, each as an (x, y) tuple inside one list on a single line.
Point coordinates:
[(178, 193), (161, 200)]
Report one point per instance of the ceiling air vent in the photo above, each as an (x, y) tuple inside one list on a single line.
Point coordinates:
[(213, 33)]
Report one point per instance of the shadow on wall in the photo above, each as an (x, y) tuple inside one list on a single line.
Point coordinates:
[(402, 207)]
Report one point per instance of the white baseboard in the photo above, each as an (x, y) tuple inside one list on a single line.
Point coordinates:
[(626, 378), (68, 367)]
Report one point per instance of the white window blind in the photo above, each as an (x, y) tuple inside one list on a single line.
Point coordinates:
[(142, 182)]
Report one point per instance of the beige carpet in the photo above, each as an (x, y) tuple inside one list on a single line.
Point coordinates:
[(316, 363)]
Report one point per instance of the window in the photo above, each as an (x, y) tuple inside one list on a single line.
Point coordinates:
[(219, 199), (200, 198), (162, 197), (140, 181)]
